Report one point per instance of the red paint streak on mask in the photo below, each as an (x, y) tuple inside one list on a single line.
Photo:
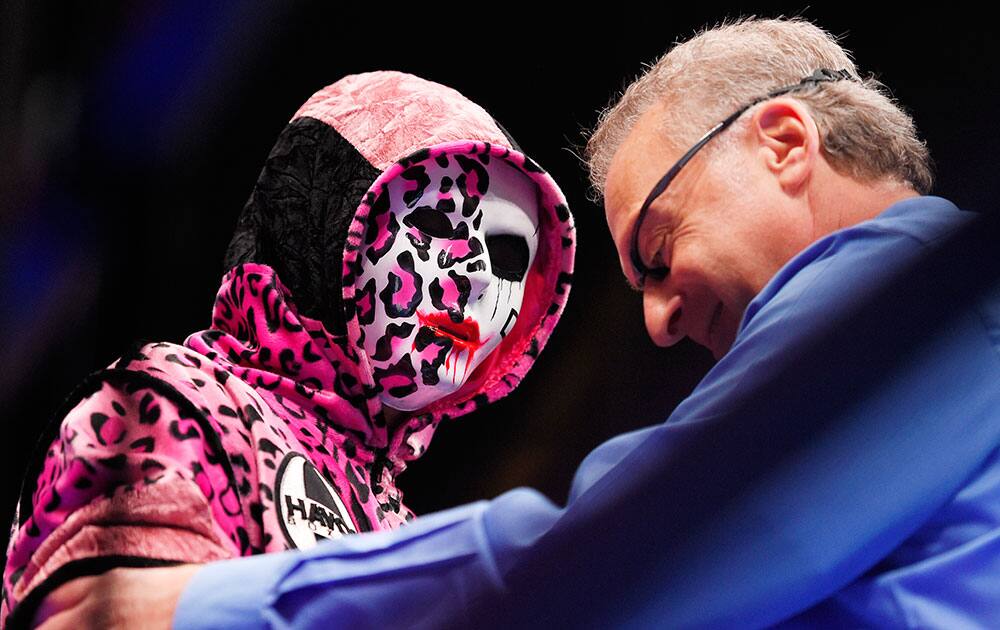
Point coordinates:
[(464, 337)]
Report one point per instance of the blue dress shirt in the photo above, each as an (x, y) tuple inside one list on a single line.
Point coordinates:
[(838, 466)]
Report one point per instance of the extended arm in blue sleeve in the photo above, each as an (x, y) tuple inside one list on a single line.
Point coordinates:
[(860, 394), (442, 562)]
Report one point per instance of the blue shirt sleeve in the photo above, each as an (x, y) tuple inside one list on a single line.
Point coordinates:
[(860, 394)]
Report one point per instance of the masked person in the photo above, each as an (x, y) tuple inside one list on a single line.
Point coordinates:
[(400, 262)]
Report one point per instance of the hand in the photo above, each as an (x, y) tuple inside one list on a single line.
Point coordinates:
[(119, 598)]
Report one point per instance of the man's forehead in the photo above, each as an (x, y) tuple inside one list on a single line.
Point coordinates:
[(635, 168), (619, 196), (623, 198)]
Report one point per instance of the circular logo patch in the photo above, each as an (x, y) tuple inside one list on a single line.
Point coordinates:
[(308, 506)]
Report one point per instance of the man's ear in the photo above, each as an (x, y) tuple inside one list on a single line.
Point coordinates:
[(787, 141)]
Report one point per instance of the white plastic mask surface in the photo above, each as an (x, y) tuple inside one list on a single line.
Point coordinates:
[(444, 263)]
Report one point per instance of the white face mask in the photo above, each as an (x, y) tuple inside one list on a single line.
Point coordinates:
[(445, 259)]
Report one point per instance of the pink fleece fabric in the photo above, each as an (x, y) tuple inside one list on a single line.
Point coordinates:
[(385, 114), (143, 522), (176, 452)]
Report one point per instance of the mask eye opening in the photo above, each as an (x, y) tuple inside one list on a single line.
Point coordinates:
[(509, 256), (430, 221)]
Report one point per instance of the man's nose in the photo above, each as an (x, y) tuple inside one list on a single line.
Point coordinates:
[(664, 312)]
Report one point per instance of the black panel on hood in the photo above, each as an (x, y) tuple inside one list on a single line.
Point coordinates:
[(298, 215)]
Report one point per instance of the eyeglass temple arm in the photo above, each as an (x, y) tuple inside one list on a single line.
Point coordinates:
[(822, 75)]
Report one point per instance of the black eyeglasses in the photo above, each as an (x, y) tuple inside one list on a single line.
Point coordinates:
[(822, 75)]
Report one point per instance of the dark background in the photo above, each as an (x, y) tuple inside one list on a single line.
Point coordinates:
[(131, 134)]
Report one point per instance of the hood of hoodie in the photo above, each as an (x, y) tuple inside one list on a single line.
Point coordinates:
[(286, 318), (267, 432)]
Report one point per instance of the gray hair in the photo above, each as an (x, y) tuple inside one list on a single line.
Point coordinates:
[(864, 132)]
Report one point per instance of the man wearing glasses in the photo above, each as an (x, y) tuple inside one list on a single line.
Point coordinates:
[(838, 466)]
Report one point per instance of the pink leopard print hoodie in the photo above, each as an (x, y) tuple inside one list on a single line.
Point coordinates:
[(265, 432)]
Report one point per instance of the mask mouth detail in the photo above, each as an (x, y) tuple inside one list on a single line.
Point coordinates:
[(464, 337), (464, 333), (495, 240)]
